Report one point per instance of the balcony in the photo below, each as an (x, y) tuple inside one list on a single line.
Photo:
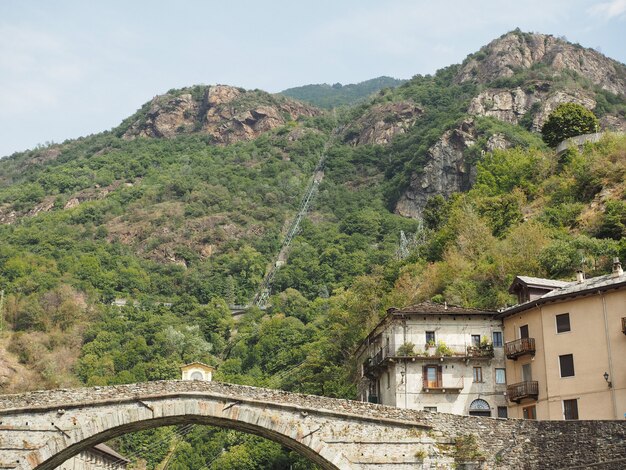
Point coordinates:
[(624, 325), (519, 347), (430, 351), (372, 364), (518, 392), (477, 352), (445, 386)]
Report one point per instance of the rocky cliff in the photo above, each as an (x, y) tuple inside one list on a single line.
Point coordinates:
[(539, 99), (382, 123), (447, 168), (517, 51), (226, 114)]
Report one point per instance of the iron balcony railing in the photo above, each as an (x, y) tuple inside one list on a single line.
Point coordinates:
[(444, 350), (372, 363), (517, 392), (519, 347)]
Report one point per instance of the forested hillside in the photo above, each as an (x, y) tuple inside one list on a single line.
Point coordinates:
[(181, 210), (332, 96)]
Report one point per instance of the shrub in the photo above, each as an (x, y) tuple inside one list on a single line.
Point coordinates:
[(443, 349), (407, 349)]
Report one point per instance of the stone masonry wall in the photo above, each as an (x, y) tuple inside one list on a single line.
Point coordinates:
[(492, 443)]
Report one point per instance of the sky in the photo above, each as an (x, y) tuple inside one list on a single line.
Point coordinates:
[(70, 68)]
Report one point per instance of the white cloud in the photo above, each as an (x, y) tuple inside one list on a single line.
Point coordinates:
[(610, 10)]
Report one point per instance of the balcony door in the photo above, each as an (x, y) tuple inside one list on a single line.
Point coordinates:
[(523, 331), (432, 377), (526, 373)]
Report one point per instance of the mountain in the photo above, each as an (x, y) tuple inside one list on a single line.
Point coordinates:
[(223, 113), (439, 189), (331, 96)]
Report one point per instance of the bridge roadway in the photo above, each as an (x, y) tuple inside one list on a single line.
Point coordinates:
[(41, 430)]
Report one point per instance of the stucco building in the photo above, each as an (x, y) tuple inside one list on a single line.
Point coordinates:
[(197, 371), (565, 344), (437, 358)]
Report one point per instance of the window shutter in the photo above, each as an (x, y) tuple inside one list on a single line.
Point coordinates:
[(439, 376), (424, 377)]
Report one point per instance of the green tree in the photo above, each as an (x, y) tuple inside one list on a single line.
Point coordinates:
[(568, 120)]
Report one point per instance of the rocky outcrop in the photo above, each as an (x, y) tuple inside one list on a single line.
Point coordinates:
[(445, 172), (226, 114), (517, 51), (511, 105), (382, 123)]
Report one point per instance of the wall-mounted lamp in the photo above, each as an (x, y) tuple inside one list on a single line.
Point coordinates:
[(606, 377)]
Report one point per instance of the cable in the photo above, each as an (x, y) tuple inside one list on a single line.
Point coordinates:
[(181, 431)]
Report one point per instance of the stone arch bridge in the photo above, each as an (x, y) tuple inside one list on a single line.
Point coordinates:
[(41, 430)]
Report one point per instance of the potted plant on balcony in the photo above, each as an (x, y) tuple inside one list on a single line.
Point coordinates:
[(406, 350), (443, 349), (486, 346)]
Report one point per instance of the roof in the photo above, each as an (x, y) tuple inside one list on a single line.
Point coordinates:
[(571, 289), (432, 308), (105, 449), (537, 282), (197, 363)]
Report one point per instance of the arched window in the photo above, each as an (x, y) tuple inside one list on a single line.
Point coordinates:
[(197, 376), (479, 408)]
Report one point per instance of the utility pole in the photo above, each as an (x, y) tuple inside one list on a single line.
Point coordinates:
[(2, 310)]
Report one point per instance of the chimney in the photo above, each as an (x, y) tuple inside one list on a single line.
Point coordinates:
[(617, 268), (580, 276)]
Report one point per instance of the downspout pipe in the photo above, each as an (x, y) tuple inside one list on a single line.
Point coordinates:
[(608, 351)]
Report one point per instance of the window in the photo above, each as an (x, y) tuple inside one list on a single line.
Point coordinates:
[(523, 331), (570, 409), (479, 408), (476, 341), (432, 409), (528, 412), (497, 339), (503, 412), (527, 374), (478, 374), (567, 365), (388, 380), (430, 337), (500, 376), (562, 323)]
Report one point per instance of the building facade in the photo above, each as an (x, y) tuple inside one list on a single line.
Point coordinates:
[(437, 358), (197, 371), (566, 348)]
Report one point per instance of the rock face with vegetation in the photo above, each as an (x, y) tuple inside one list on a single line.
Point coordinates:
[(516, 51), (531, 106), (382, 123), (226, 114), (447, 170), (182, 209)]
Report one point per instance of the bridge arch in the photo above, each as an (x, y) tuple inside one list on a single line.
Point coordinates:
[(137, 415), (40, 430)]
